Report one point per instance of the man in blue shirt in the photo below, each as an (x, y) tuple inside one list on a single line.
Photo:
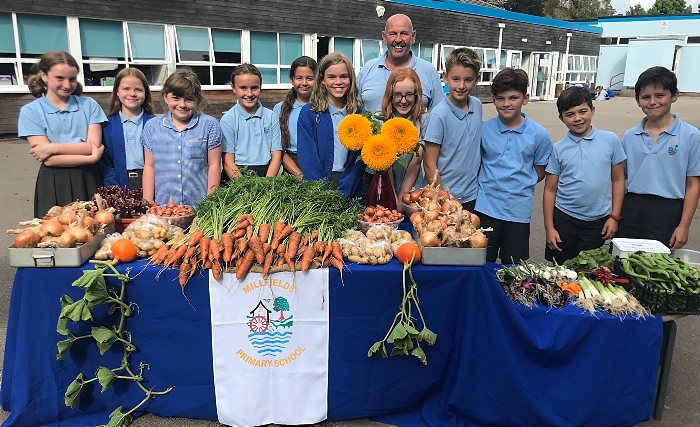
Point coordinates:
[(398, 35)]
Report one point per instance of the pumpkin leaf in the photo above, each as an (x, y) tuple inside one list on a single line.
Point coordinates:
[(72, 395), (105, 376)]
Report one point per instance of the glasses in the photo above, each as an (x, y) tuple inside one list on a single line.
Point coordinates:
[(410, 97)]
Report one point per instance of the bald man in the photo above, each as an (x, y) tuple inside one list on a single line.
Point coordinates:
[(398, 35)]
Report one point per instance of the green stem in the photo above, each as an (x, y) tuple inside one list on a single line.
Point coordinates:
[(392, 326)]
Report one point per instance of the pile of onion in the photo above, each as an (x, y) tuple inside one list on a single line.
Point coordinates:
[(441, 221), (380, 214)]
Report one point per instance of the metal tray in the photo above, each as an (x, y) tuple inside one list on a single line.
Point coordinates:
[(453, 256), (55, 257)]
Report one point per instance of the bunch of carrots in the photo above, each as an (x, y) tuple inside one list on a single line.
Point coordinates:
[(571, 287), (279, 246)]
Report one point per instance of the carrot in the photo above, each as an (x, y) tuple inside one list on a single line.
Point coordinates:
[(326, 253), (256, 246), (280, 260), (292, 248), (279, 237), (214, 250), (185, 268), (266, 248), (337, 263), (241, 218), (300, 251), (207, 264), (267, 264), (319, 247), (249, 231), (277, 228), (337, 253), (237, 234), (281, 250), (326, 262), (305, 242), (195, 238), (204, 248), (245, 264), (191, 251), (160, 254), (313, 236), (241, 246), (216, 269), (249, 217), (307, 257), (193, 270), (264, 232), (241, 225), (179, 253), (227, 241)]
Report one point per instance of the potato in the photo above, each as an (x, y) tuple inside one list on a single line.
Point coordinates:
[(355, 258)]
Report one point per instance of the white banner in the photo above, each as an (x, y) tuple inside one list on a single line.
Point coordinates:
[(270, 346)]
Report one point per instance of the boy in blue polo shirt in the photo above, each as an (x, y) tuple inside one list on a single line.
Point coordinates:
[(453, 133), (579, 210), (514, 153), (663, 165)]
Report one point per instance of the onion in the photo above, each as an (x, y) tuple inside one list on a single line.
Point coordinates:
[(476, 221), (478, 240), (102, 216), (370, 211), (415, 195), (66, 240), (435, 226), (429, 239), (442, 195), (379, 212), (431, 215), (27, 239), (445, 208), (67, 218), (423, 202), (52, 228), (406, 198), (81, 234), (428, 193), (416, 216), (55, 211)]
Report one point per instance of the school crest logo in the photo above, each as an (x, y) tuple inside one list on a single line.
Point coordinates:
[(267, 128), (269, 335), (672, 150)]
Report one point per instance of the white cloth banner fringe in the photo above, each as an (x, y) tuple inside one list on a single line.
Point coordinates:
[(270, 347)]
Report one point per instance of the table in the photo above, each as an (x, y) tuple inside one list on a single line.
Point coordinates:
[(495, 362)]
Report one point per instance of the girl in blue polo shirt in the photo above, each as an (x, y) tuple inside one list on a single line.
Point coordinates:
[(301, 76), (251, 131), (182, 157), (403, 97), (129, 109), (320, 153), (64, 131)]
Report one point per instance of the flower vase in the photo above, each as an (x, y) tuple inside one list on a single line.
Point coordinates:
[(381, 191)]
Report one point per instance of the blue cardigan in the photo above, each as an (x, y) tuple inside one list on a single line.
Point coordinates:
[(315, 142), (113, 160)]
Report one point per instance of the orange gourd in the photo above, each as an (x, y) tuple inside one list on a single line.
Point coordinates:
[(124, 250), (405, 252)]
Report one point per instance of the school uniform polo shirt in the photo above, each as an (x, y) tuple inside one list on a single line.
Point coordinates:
[(291, 123), (660, 168), (458, 133), (507, 177), (40, 117), (340, 153), (251, 137), (374, 75), (132, 141), (180, 156), (583, 165)]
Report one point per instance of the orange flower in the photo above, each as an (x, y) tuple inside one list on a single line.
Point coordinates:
[(353, 131), (402, 132), (379, 153)]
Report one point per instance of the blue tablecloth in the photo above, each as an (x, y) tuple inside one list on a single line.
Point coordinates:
[(496, 363)]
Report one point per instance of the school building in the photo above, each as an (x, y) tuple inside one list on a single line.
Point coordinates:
[(631, 44), (212, 36)]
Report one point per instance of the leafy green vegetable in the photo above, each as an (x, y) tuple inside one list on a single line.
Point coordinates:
[(590, 259)]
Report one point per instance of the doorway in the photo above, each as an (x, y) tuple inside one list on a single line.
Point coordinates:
[(543, 72)]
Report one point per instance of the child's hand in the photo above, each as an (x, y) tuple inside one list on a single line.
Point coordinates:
[(609, 229), (553, 239), (96, 152), (679, 237), (41, 151)]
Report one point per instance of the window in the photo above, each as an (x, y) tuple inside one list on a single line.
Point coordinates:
[(148, 51), (192, 44), (423, 51), (273, 53), (102, 45), (370, 49), (7, 36), (53, 31), (515, 59), (581, 68), (345, 46)]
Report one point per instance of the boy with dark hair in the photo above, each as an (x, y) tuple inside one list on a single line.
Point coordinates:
[(453, 133), (580, 211), (663, 165), (514, 153)]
